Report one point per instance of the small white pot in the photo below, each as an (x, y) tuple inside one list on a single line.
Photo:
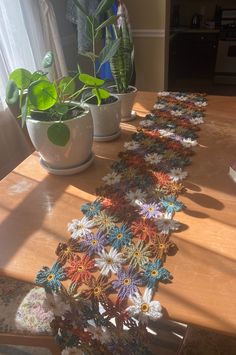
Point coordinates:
[(127, 102), (76, 152), (106, 120)]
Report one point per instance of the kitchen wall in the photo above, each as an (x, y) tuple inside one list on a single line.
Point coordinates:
[(206, 8), (150, 27)]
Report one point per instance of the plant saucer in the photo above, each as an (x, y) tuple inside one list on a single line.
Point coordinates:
[(107, 138), (129, 118), (67, 171)]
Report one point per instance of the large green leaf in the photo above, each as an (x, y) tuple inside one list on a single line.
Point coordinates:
[(103, 6), (42, 94), (39, 74), (12, 93), (103, 94), (110, 21), (21, 77), (67, 86), (90, 80), (59, 134), (109, 51), (82, 9), (61, 108), (48, 60)]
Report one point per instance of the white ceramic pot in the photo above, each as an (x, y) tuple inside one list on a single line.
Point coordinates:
[(106, 120), (75, 153), (127, 102)]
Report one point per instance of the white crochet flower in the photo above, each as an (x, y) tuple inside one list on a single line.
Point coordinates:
[(200, 103), (80, 227), (71, 351), (177, 174), (181, 97), (165, 224), (132, 196), (166, 132), (144, 307), (112, 178), (163, 93), (146, 123), (197, 120), (109, 261), (132, 145), (153, 158), (159, 106), (176, 113), (188, 142)]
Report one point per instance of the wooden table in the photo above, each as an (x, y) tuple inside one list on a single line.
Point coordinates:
[(35, 208)]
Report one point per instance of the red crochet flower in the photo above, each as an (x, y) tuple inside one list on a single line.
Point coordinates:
[(161, 178), (80, 269), (143, 229)]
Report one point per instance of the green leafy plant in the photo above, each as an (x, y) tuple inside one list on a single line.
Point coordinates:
[(94, 28), (47, 100), (122, 62)]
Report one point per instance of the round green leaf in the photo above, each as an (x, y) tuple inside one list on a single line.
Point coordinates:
[(59, 134), (90, 80), (42, 94), (67, 86), (21, 77), (39, 74), (61, 108), (12, 93), (48, 60), (104, 94)]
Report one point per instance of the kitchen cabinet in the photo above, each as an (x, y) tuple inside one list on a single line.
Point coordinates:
[(192, 55)]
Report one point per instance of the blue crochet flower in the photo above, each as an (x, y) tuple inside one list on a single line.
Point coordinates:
[(127, 282), (94, 243), (51, 278), (155, 272), (171, 205), (120, 236), (91, 209)]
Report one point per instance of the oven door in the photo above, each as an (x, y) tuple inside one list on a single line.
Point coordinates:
[(225, 68)]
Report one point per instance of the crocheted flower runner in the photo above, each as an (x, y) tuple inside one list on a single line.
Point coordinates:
[(114, 259)]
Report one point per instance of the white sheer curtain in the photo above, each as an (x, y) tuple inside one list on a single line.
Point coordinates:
[(27, 30)]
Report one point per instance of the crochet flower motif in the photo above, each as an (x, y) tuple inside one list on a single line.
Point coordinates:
[(100, 333), (66, 251), (98, 288), (137, 254), (160, 247), (150, 210), (80, 228), (120, 236), (153, 158), (189, 143), (51, 279), (132, 196), (146, 123), (79, 269), (132, 145), (144, 229), (144, 308), (91, 209), (127, 283), (177, 174), (171, 205), (109, 261), (104, 221), (94, 243), (165, 225), (112, 178), (155, 272)]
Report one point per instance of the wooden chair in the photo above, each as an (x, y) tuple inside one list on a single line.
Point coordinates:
[(24, 318)]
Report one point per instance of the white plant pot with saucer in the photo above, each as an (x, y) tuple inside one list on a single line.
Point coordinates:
[(75, 156), (127, 102), (106, 120)]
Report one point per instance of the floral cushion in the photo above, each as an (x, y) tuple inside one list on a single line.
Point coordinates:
[(23, 308)]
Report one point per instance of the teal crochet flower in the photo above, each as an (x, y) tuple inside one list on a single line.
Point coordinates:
[(155, 272), (171, 205), (51, 279), (120, 236), (91, 209)]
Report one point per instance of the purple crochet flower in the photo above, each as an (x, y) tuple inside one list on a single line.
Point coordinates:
[(94, 243), (127, 283), (150, 210)]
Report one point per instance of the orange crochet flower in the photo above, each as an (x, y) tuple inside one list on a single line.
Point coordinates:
[(144, 229), (80, 269)]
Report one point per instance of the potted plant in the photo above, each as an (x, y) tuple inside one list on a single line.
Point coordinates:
[(61, 129), (122, 65), (106, 111)]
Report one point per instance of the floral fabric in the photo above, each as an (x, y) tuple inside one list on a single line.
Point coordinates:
[(22, 309), (115, 256)]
